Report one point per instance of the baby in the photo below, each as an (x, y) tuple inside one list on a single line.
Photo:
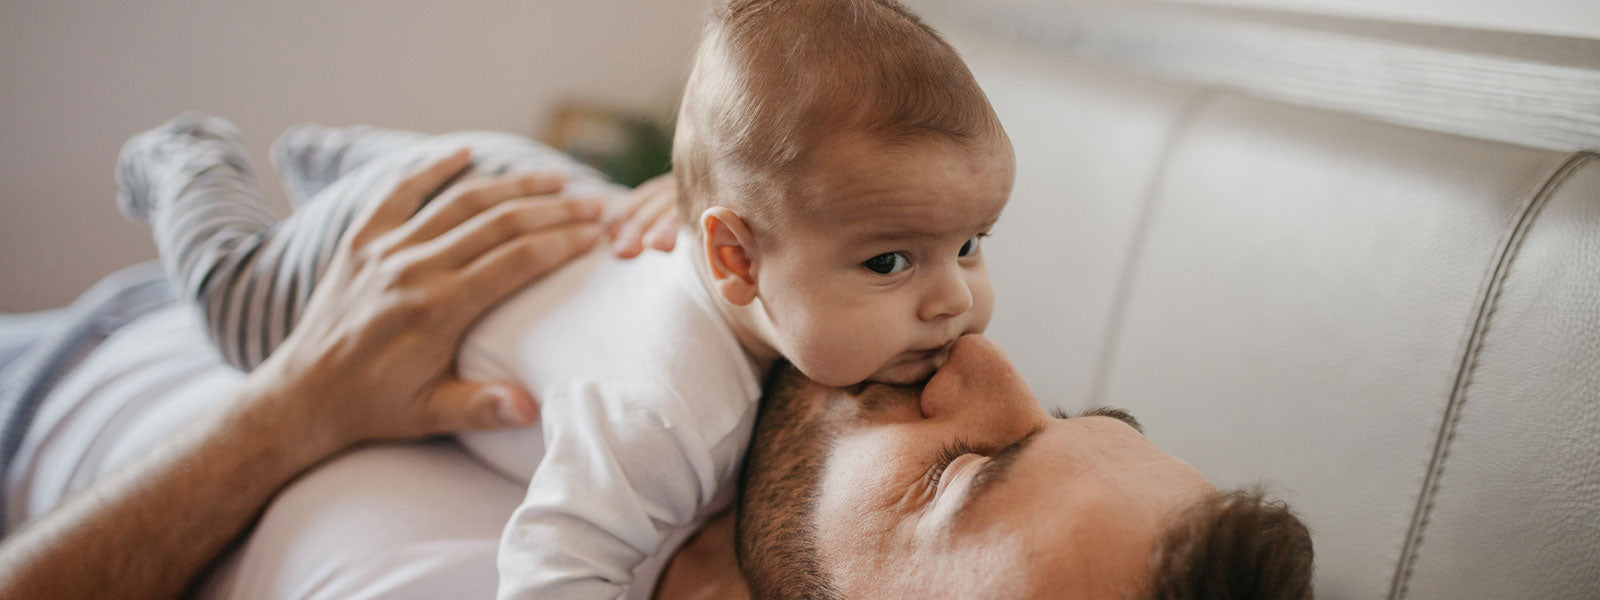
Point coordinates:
[(837, 166)]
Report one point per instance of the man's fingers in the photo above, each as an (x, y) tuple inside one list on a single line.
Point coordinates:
[(515, 263), (400, 204), (663, 235), (456, 405), (639, 198), (504, 222), (628, 238), (644, 204), (468, 200), (628, 247)]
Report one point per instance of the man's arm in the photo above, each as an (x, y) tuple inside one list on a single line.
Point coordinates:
[(150, 529), (371, 360)]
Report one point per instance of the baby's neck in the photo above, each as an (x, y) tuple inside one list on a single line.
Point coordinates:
[(750, 324)]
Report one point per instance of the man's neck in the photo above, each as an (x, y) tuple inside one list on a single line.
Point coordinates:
[(705, 566)]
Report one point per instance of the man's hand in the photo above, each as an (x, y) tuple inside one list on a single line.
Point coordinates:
[(376, 344), (370, 359), (651, 219)]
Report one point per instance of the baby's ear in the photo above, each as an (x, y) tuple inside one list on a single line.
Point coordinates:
[(730, 254)]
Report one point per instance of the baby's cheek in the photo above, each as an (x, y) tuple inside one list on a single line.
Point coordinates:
[(982, 304), (841, 351)]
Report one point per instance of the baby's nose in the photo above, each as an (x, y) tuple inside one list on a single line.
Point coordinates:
[(976, 375), (952, 298)]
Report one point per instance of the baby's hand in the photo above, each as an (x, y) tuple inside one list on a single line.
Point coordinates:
[(650, 219)]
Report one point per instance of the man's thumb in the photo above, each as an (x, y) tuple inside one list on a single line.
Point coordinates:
[(465, 405)]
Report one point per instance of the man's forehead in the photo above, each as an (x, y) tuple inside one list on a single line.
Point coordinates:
[(1072, 462), (1010, 457), (1065, 514)]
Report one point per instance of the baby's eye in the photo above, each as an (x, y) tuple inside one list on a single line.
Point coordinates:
[(887, 263), (971, 247)]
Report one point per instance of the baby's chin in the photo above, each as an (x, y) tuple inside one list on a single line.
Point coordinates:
[(906, 368), (908, 372)]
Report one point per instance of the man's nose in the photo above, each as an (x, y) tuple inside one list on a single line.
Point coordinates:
[(976, 377), (950, 297)]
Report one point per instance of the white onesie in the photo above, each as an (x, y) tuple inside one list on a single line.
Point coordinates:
[(647, 402)]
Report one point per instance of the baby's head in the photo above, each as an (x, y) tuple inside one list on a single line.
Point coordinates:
[(840, 165)]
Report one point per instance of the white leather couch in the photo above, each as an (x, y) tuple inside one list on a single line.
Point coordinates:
[(1397, 330)]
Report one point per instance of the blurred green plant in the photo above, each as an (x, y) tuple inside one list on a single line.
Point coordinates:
[(628, 148)]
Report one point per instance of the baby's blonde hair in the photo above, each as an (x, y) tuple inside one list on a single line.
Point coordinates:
[(775, 79)]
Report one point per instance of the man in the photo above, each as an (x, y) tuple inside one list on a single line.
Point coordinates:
[(966, 487), (840, 500), (371, 362), (962, 487)]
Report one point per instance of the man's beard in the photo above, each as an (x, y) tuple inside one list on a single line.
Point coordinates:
[(775, 535)]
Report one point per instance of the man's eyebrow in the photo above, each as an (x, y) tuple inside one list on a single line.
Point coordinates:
[(1102, 411), (995, 470)]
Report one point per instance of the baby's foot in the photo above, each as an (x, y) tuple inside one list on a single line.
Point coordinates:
[(181, 148), (310, 157), (302, 162)]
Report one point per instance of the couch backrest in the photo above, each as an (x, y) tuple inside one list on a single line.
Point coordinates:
[(1398, 331)]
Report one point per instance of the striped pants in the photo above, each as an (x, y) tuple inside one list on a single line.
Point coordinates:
[(249, 273)]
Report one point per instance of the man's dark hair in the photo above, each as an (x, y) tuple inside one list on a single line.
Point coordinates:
[(1234, 545)]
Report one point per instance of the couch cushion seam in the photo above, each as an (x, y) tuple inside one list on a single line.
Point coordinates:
[(1489, 297), (1100, 377)]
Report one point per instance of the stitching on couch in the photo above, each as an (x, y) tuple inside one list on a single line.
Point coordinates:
[(1489, 297), (1134, 253)]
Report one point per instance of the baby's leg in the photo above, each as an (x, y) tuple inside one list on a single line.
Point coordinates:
[(190, 180), (252, 276), (309, 157), (498, 153)]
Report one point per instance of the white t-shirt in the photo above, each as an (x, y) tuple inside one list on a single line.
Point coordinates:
[(396, 521), (647, 404), (141, 384)]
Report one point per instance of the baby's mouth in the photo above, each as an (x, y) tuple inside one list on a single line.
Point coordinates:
[(928, 353), (914, 366), (929, 359)]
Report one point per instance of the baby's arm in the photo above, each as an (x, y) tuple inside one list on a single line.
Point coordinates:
[(620, 475)]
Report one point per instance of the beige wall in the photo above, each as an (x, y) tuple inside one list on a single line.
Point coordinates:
[(78, 77)]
